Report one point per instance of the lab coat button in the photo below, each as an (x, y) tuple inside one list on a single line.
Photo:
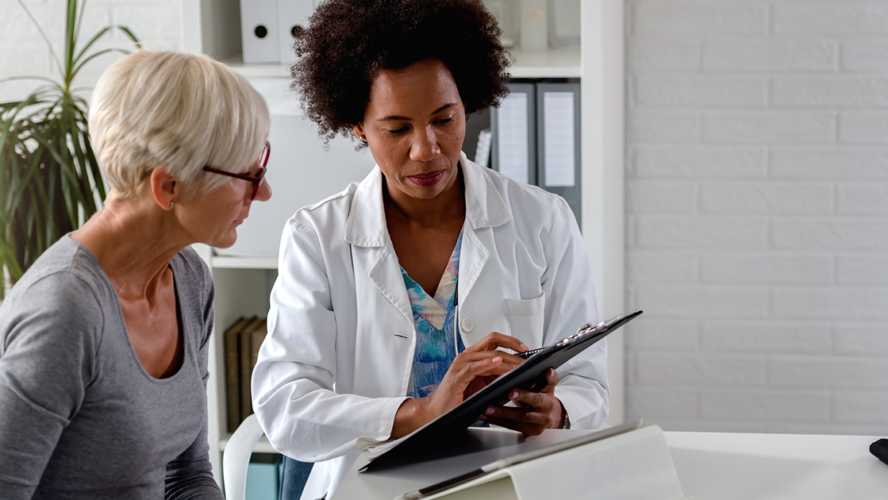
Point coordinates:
[(467, 325)]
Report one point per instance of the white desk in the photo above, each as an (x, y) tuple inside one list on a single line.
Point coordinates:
[(711, 466), (722, 466)]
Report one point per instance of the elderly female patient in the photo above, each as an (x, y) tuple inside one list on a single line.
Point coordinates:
[(104, 341)]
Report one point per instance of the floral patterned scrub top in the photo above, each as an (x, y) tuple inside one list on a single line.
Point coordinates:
[(437, 341)]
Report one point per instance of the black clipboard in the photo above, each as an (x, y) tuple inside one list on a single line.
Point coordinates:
[(529, 375)]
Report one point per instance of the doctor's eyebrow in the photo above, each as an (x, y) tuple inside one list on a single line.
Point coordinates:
[(405, 118)]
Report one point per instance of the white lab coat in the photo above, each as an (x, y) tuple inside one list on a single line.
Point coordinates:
[(337, 361)]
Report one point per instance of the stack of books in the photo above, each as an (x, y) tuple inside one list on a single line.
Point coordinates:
[(242, 342)]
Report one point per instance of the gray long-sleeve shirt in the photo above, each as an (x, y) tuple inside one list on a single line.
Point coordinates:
[(80, 418)]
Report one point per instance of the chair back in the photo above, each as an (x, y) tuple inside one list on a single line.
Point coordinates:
[(236, 457)]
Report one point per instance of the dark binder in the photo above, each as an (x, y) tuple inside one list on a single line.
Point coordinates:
[(244, 341), (558, 142), (530, 375), (232, 373)]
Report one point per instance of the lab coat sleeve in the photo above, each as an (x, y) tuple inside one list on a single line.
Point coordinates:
[(293, 382), (570, 303)]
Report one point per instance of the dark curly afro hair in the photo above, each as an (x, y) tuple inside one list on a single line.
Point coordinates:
[(348, 42)]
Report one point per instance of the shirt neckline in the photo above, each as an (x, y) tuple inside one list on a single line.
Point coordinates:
[(119, 310)]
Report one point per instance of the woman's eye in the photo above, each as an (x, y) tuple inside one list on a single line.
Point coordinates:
[(445, 120), (398, 130)]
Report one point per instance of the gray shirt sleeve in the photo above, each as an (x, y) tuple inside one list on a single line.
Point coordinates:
[(47, 360)]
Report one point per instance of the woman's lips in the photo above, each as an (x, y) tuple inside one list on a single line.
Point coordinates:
[(429, 179)]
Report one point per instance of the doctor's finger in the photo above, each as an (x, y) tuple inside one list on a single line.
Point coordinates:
[(527, 428), (542, 400), (481, 368), (546, 383), (495, 340), (551, 381), (467, 356), (531, 416)]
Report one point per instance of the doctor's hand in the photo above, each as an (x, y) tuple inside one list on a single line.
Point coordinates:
[(534, 412), (470, 372)]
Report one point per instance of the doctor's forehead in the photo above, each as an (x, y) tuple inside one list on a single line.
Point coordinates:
[(414, 92)]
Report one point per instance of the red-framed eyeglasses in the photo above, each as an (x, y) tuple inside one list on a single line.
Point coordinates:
[(255, 179)]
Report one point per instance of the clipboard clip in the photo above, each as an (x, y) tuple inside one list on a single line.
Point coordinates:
[(582, 332)]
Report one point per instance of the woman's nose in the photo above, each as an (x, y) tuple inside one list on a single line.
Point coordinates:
[(425, 145), (264, 192)]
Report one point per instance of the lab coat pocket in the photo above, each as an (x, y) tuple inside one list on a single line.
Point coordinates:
[(525, 317)]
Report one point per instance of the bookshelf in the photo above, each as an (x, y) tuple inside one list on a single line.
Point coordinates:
[(212, 27)]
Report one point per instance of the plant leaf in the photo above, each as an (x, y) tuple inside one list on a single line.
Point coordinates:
[(85, 186), (98, 179), (132, 36), (90, 43), (13, 78), (7, 259), (95, 55), (15, 199), (70, 28), (79, 21), (45, 38)]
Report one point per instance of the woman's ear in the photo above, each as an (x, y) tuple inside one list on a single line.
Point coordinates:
[(358, 130), (164, 188)]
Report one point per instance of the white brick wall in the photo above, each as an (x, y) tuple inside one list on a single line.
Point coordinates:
[(757, 214), (155, 22)]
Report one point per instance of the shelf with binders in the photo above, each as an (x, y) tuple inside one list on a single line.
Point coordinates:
[(558, 62), (212, 22)]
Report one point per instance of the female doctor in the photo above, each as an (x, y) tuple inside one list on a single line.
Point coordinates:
[(402, 295)]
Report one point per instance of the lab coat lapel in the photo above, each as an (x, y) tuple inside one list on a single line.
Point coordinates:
[(386, 274), (473, 255), (485, 209), (366, 227)]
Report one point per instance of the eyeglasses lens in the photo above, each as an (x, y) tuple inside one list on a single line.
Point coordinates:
[(266, 152)]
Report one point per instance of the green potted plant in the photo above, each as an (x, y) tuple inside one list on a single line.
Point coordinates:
[(49, 178)]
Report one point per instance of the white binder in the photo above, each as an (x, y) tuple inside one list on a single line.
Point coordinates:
[(514, 134), (635, 465), (259, 31), (558, 142), (292, 19)]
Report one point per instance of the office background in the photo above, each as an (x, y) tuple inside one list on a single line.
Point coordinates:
[(756, 202)]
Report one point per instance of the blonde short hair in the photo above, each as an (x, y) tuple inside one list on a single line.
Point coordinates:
[(178, 110)]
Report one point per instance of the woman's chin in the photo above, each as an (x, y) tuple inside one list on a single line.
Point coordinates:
[(224, 241)]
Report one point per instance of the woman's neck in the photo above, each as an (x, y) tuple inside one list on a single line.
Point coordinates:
[(134, 242)]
